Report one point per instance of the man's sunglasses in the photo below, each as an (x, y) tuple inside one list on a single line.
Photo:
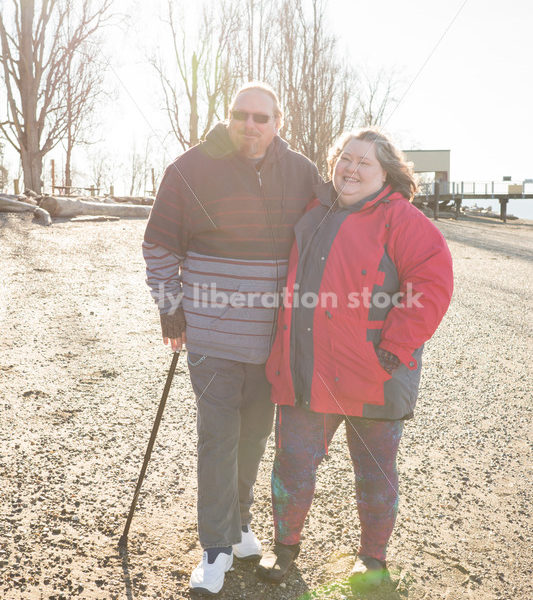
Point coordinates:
[(242, 115)]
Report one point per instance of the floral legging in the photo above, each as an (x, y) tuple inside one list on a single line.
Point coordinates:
[(302, 439)]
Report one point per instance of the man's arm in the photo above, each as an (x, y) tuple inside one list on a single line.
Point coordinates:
[(163, 279), (165, 245)]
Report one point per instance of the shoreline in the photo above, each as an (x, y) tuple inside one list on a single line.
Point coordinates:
[(83, 368)]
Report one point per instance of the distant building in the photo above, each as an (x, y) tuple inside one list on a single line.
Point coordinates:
[(431, 161)]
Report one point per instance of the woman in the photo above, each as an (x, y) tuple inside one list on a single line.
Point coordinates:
[(370, 278)]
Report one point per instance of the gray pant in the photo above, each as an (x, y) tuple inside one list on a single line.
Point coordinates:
[(234, 420)]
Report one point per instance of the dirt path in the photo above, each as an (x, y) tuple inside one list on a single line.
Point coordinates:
[(81, 373)]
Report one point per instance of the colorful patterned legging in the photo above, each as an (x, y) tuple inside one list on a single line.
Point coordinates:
[(302, 438)]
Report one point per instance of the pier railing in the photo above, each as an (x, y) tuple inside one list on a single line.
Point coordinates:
[(479, 189), (436, 192)]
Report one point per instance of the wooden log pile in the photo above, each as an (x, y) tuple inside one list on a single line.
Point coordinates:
[(74, 207), (145, 200), (46, 207), (18, 204)]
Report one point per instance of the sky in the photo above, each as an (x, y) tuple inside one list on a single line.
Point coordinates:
[(465, 71), (465, 67), (474, 96)]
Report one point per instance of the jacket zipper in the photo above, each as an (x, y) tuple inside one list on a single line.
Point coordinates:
[(274, 257), (299, 400)]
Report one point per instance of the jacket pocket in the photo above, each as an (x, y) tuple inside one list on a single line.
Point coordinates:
[(380, 367), (359, 376), (277, 369), (195, 359)]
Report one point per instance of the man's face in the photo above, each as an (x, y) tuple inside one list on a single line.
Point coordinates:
[(249, 137)]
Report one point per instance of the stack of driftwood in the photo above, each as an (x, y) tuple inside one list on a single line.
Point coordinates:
[(46, 207)]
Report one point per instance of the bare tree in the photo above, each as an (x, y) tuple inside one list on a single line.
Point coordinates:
[(3, 169), (136, 171), (36, 51), (140, 169), (315, 88), (259, 20), (100, 164), (287, 44), (203, 72), (82, 87), (375, 96)]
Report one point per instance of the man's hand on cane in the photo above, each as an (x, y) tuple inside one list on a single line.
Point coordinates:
[(173, 329), (176, 343)]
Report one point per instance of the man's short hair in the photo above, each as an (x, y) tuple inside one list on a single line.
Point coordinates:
[(259, 86)]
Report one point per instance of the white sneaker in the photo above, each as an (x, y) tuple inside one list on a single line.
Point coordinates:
[(249, 548), (209, 578)]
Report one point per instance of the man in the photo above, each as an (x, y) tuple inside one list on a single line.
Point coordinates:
[(216, 248)]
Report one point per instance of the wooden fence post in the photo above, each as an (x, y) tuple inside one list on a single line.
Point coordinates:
[(437, 198), (457, 208), (503, 209)]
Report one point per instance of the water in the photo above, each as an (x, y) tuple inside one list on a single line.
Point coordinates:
[(521, 208)]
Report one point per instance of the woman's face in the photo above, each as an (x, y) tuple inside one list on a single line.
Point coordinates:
[(357, 172)]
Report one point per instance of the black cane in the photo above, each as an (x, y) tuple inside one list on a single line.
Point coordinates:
[(124, 538)]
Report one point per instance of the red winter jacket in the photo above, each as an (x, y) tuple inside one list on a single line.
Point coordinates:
[(375, 274)]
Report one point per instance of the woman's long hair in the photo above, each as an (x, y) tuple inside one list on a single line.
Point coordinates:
[(400, 175)]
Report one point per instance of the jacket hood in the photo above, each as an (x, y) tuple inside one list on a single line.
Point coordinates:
[(327, 195), (218, 144)]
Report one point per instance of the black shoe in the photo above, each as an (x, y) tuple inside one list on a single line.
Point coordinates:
[(276, 562), (368, 573)]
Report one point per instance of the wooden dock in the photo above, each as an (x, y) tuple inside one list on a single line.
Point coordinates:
[(446, 192)]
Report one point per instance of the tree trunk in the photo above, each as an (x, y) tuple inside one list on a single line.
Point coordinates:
[(31, 157), (32, 165), (68, 175), (193, 119), (70, 125), (68, 157)]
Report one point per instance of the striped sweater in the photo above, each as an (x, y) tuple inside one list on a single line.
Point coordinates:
[(218, 240)]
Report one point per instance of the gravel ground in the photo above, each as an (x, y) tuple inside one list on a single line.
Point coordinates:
[(82, 369)]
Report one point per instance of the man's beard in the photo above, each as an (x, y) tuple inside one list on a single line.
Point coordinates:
[(249, 146)]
